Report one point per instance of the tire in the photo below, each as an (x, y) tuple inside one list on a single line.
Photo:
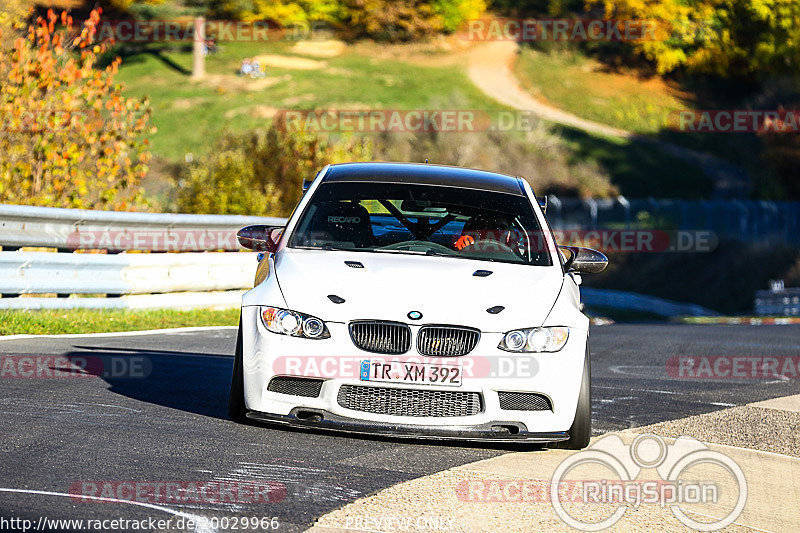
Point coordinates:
[(581, 430), (237, 409)]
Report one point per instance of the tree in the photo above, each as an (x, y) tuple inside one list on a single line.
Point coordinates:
[(390, 20), (261, 172), (748, 39), (70, 138)]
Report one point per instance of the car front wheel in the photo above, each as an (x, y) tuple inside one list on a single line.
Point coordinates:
[(236, 407), (581, 430)]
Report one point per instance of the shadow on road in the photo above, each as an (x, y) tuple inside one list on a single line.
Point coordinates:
[(191, 382), (200, 384)]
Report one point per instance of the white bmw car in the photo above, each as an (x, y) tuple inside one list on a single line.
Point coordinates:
[(416, 300)]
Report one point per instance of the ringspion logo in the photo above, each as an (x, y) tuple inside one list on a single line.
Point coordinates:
[(689, 473)]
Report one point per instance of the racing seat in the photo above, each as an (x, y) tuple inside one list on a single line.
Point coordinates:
[(340, 222)]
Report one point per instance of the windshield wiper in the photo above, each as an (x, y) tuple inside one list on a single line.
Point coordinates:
[(328, 247), (381, 250)]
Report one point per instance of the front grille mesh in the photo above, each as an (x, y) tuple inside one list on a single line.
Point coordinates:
[(381, 337), (296, 386), (524, 401), (446, 341), (409, 402)]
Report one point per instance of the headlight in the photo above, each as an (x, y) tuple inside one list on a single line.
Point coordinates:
[(550, 339), (285, 322)]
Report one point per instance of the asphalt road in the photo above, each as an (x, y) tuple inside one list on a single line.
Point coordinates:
[(171, 425)]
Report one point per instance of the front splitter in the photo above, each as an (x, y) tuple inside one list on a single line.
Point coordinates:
[(497, 432)]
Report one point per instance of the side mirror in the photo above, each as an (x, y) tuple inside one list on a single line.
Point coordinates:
[(584, 260), (260, 238)]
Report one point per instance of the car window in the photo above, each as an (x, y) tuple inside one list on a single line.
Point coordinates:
[(422, 219)]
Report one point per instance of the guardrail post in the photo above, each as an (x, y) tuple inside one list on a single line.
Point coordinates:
[(555, 202), (626, 206), (591, 203)]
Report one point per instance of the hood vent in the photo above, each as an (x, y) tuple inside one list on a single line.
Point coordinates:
[(336, 299), (354, 264), (493, 310), (482, 273)]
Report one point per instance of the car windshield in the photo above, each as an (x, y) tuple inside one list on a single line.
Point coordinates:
[(422, 219)]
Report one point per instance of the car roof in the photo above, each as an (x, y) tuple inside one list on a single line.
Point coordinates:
[(424, 174)]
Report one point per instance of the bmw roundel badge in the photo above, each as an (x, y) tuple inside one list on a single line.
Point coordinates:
[(414, 315)]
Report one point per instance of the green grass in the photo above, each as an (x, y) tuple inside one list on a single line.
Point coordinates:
[(51, 322), (636, 169), (568, 80), (190, 115)]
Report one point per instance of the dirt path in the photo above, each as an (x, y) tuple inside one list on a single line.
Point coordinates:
[(491, 70)]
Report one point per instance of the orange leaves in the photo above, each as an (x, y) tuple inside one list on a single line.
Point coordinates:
[(69, 137)]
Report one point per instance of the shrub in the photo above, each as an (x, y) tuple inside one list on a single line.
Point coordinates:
[(261, 172), (540, 157), (746, 39), (454, 13), (383, 20), (69, 136)]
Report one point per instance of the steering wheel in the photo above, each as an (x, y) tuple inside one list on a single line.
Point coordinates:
[(501, 247), (411, 245)]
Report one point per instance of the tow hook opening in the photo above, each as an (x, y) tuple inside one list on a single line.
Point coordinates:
[(309, 416), (505, 429)]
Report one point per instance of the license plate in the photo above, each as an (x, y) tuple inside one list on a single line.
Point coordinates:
[(403, 372)]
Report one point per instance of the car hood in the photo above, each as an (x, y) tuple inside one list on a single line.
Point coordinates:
[(389, 286)]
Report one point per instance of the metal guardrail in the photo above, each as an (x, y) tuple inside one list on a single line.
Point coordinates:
[(174, 300), (737, 220), (147, 280), (785, 302), (71, 229), (632, 301), (157, 274), (38, 272)]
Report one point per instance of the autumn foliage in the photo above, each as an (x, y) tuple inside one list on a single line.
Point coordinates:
[(746, 39), (69, 137)]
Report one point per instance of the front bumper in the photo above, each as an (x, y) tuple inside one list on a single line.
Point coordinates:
[(555, 375), (500, 431)]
